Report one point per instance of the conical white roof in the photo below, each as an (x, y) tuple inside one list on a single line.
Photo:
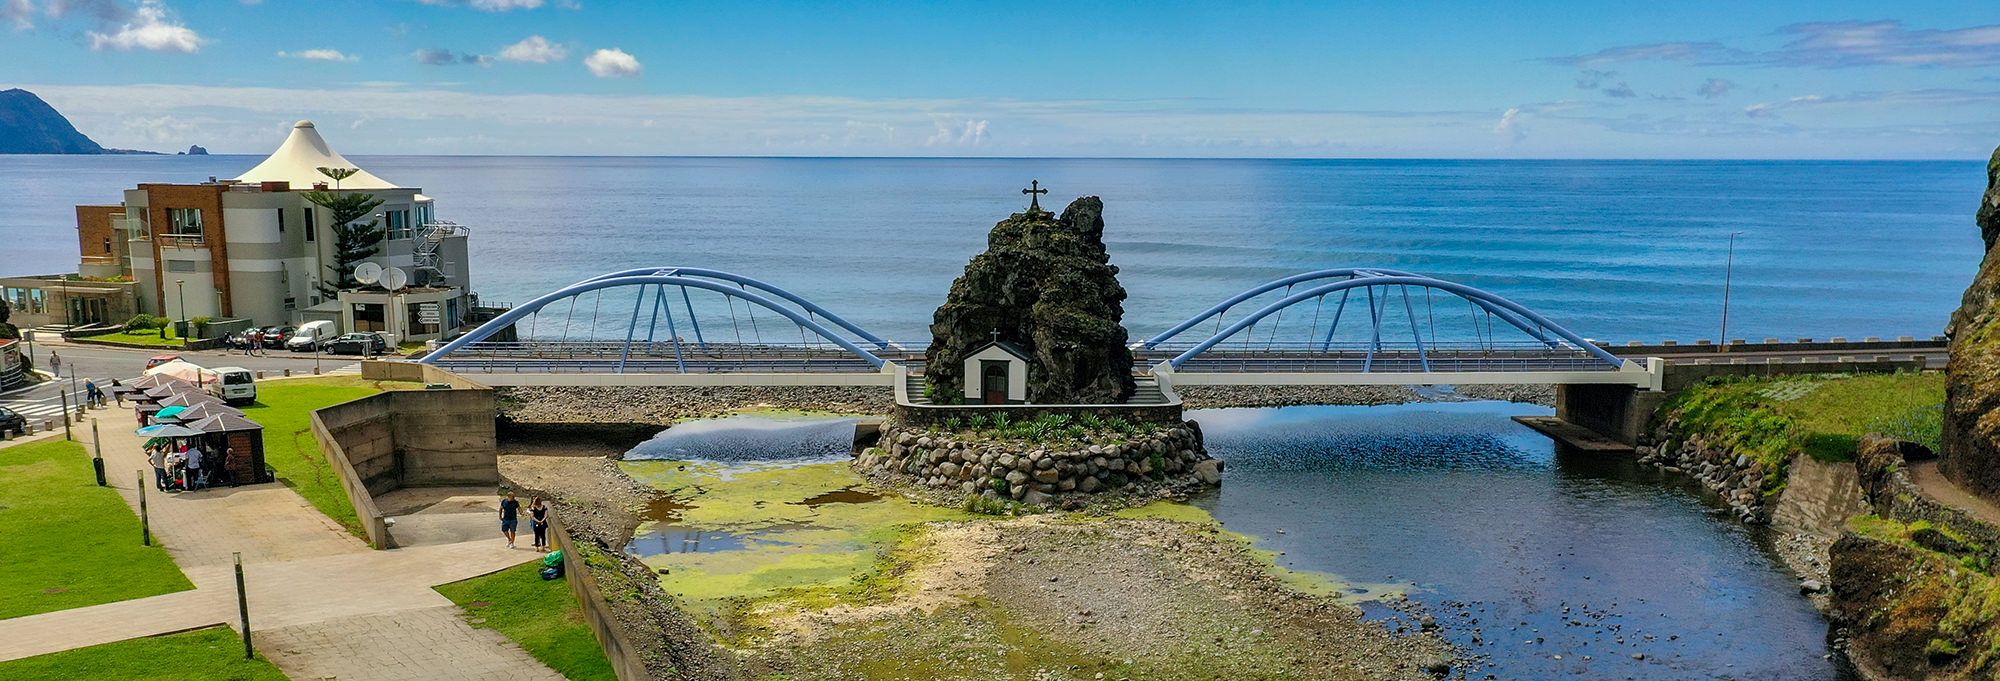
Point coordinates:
[(299, 159)]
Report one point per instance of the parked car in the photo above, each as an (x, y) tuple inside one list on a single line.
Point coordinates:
[(275, 336), (309, 336), (12, 421), (357, 343), (157, 360), (235, 385)]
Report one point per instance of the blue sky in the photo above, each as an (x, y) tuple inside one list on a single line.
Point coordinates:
[(1550, 79)]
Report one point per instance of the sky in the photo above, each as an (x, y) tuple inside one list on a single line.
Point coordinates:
[(1913, 79)]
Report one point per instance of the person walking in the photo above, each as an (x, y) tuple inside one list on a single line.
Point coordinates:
[(510, 517), (55, 364), (157, 455), (93, 395), (538, 519), (197, 477)]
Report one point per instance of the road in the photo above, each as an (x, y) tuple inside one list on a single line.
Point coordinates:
[(102, 364)]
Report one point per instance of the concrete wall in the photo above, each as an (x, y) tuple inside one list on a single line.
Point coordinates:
[(624, 657), (409, 438)]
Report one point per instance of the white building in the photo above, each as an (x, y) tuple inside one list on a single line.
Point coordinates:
[(254, 247)]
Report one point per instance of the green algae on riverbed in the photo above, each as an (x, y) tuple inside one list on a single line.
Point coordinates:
[(783, 546), (1303, 581)]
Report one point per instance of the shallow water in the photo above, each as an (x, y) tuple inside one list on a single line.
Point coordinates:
[(1545, 563), (1524, 553), (751, 438)]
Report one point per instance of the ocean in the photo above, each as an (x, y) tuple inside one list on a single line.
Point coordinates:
[(1615, 250)]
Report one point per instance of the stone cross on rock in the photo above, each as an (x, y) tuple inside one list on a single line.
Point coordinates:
[(1034, 192)]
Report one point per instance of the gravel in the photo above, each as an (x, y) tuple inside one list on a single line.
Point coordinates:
[(668, 405)]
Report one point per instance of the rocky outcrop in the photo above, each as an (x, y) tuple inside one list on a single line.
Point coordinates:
[(1039, 475), (1046, 285), (195, 150), (29, 125), (1971, 455)]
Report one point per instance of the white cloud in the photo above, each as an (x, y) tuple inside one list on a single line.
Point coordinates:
[(1509, 127), (534, 50), (149, 28), (20, 13), (504, 5), (319, 55), (613, 63), (969, 133)]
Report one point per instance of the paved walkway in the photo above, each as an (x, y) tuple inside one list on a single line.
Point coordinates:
[(1941, 489), (322, 605)]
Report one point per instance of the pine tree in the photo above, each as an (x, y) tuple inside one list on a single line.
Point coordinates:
[(353, 241)]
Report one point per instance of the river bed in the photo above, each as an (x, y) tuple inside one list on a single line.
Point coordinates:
[(1543, 562)]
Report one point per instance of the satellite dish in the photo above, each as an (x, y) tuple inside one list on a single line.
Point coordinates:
[(367, 273), (395, 279)]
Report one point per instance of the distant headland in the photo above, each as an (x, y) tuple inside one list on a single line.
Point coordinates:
[(29, 125)]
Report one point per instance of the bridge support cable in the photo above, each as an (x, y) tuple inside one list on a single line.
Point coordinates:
[(692, 319), (808, 319), (1327, 345), (764, 288), (1416, 334), (1522, 318)]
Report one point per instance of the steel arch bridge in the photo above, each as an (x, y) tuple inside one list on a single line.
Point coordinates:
[(1393, 336), (822, 346)]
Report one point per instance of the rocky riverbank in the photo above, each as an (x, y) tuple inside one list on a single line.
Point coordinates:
[(670, 405), (1231, 396), (1159, 592)]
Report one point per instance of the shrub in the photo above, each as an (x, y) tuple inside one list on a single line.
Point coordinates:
[(200, 325), (144, 322)]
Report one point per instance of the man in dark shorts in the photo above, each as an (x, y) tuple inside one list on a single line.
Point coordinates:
[(510, 516)]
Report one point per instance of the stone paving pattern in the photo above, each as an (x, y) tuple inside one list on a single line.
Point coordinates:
[(322, 605)]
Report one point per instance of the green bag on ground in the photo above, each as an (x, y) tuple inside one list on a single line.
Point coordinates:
[(553, 559)]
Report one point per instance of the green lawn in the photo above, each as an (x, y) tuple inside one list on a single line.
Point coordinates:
[(69, 543), (1824, 416), (142, 338), (211, 654), (542, 616), (285, 409)]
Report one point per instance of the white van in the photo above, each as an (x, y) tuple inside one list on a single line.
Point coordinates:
[(310, 336), (235, 385)]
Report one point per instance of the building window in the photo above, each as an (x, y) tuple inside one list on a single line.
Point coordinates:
[(312, 226), (399, 224), (107, 246), (281, 221), (184, 222), (180, 265), (142, 228)]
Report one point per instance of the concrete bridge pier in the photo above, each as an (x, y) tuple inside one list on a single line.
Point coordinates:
[(1619, 413)]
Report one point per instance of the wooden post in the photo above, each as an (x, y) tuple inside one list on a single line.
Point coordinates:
[(145, 522), (243, 608), (97, 461)]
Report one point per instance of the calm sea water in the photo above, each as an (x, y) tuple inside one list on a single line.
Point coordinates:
[(1615, 250)]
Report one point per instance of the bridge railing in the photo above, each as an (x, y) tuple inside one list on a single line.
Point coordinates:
[(519, 365), (589, 349)]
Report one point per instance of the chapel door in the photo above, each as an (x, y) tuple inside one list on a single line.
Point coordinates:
[(993, 382)]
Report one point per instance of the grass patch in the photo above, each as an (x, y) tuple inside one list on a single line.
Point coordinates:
[(285, 409), (542, 616), (70, 543), (1771, 419), (148, 337), (212, 654)]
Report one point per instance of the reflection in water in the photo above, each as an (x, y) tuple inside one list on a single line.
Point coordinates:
[(751, 437), (1547, 564)]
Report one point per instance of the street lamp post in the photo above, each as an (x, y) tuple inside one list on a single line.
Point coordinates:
[(180, 290), (1728, 273)]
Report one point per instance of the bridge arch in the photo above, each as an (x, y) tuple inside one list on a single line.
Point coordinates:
[(733, 286), (1345, 281)]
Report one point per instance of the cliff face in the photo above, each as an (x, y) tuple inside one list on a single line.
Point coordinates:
[(1971, 453), (1046, 285), (29, 125)]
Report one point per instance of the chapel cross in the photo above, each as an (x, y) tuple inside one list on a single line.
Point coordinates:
[(1034, 192)]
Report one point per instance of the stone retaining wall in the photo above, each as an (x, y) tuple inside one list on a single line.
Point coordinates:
[(666, 405), (597, 612), (1882, 465), (1735, 477), (1041, 476), (1229, 396)]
